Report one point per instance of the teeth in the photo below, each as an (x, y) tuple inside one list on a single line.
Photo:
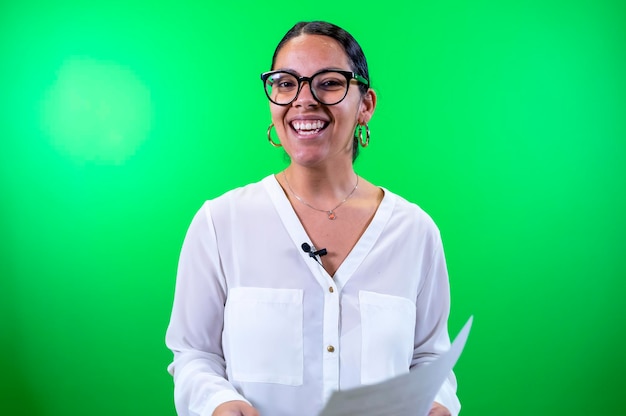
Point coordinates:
[(308, 125)]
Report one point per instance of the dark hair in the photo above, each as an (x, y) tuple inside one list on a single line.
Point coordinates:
[(358, 63)]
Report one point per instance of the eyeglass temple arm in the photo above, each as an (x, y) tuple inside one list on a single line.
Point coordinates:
[(361, 79)]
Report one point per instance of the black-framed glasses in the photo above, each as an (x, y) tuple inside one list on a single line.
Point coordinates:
[(329, 86)]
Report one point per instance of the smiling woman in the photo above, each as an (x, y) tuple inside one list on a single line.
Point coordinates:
[(503, 120), (252, 336), (96, 111)]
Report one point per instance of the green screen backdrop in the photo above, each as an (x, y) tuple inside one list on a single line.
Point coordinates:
[(506, 121)]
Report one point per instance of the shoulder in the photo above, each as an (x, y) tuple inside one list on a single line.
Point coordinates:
[(407, 210), (238, 195), (248, 200), (409, 218)]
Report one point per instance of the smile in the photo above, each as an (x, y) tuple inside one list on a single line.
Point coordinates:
[(308, 126)]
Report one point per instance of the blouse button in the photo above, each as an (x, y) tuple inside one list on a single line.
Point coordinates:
[(330, 348), (330, 289)]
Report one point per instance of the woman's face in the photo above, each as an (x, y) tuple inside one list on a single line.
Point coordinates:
[(298, 124)]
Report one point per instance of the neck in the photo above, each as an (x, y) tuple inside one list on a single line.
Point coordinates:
[(321, 185)]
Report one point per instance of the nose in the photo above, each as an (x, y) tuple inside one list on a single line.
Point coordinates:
[(305, 97)]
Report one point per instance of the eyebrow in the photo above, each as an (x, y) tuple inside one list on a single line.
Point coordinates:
[(319, 70)]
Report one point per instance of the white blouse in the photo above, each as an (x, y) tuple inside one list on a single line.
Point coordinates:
[(256, 318)]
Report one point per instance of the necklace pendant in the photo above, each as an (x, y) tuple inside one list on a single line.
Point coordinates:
[(331, 215)]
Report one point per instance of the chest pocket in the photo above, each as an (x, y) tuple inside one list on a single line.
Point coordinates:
[(387, 330), (263, 337)]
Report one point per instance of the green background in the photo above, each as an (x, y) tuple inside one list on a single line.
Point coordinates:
[(506, 121)]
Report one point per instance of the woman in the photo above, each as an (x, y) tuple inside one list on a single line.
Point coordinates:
[(313, 279)]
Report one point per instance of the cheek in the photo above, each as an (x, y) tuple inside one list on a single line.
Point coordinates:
[(351, 110), (278, 118), (347, 119)]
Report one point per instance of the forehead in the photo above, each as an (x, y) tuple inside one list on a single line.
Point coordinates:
[(306, 53)]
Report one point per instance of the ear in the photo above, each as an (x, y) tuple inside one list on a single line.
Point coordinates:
[(368, 105)]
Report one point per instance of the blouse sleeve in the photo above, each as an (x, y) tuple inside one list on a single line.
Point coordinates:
[(194, 333), (431, 332)]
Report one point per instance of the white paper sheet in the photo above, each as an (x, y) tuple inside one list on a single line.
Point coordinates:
[(408, 394)]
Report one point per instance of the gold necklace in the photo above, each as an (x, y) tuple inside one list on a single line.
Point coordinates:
[(330, 212)]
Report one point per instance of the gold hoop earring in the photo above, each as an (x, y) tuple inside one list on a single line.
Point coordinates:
[(269, 136), (359, 133)]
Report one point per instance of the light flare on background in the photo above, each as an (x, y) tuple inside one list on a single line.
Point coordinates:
[(96, 111)]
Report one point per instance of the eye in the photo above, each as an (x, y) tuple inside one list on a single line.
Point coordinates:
[(330, 81), (283, 81)]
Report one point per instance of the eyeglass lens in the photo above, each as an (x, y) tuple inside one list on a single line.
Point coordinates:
[(327, 87)]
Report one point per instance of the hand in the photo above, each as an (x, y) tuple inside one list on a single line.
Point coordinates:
[(235, 408), (438, 410)]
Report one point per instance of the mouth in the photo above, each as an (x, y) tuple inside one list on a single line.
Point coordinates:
[(308, 127)]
